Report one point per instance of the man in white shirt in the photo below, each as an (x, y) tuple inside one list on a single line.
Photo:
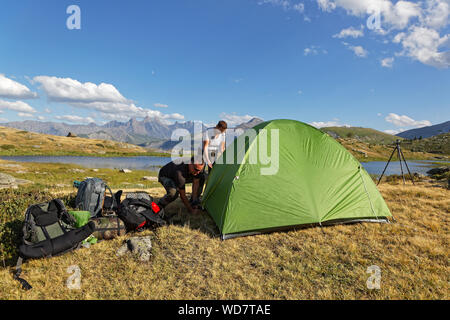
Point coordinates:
[(214, 143)]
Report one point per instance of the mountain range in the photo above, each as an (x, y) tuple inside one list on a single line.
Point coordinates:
[(133, 131), (426, 132), (149, 132)]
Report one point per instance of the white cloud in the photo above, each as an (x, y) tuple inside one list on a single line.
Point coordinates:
[(350, 32), (288, 5), (387, 62), (419, 24), (359, 51), (285, 4), (436, 14), (405, 121), (334, 123), (3, 120), (104, 98), (309, 51), (234, 119), (313, 50), (41, 118), (75, 119), (25, 115), (116, 117), (160, 105), (300, 7), (13, 90), (422, 44), (47, 110), (397, 15), (393, 132), (70, 90), (326, 5), (127, 110), (16, 106)]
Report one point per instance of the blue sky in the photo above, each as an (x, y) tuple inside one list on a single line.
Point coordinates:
[(315, 61)]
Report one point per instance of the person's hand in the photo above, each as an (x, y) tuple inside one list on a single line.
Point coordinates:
[(210, 164)]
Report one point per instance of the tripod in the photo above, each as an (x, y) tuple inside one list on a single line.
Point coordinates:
[(400, 155)]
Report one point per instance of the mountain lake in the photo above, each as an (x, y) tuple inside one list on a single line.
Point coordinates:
[(154, 163)]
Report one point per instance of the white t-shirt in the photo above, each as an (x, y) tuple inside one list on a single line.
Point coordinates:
[(215, 138)]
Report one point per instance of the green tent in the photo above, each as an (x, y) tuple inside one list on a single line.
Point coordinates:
[(317, 181)]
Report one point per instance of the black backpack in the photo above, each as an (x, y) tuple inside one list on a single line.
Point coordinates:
[(138, 211), (48, 231), (91, 197)]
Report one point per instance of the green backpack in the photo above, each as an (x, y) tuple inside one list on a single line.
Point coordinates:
[(49, 230)]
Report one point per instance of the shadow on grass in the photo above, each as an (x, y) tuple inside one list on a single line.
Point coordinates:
[(11, 237), (177, 214)]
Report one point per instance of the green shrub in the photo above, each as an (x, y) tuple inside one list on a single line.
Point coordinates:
[(7, 147)]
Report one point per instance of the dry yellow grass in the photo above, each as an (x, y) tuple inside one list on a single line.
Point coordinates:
[(14, 141), (190, 262)]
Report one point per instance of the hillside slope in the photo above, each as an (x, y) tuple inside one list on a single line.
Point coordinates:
[(362, 134), (436, 144), (17, 142), (133, 131), (426, 132), (364, 151)]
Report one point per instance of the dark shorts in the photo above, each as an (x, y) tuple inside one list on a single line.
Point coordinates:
[(167, 183), (171, 189)]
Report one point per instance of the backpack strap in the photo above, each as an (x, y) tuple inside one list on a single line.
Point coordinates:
[(139, 202), (113, 202), (154, 217), (23, 282), (151, 217)]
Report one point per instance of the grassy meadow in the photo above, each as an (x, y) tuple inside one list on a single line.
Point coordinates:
[(189, 261), (14, 142)]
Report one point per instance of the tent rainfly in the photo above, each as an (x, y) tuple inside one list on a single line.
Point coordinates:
[(283, 174)]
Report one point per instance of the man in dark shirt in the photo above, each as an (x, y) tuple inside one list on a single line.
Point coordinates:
[(174, 178)]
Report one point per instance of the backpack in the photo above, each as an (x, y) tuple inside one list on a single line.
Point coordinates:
[(138, 211), (107, 228), (48, 231), (91, 196)]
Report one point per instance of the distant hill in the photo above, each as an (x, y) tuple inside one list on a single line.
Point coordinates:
[(19, 142), (362, 134), (426, 132), (436, 144)]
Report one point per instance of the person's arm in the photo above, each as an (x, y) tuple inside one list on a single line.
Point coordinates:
[(180, 182), (185, 200), (206, 153), (195, 188)]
